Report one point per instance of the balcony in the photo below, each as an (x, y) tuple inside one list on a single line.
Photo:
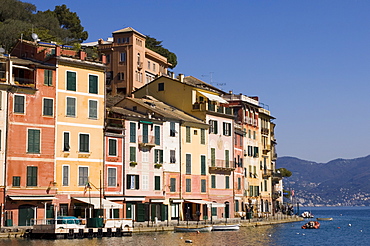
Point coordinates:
[(267, 174), (266, 149), (221, 167), (139, 65), (146, 141), (205, 106), (265, 131)]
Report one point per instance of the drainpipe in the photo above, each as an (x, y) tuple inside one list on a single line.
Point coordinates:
[(180, 210)]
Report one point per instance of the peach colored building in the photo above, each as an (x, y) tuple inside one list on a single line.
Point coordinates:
[(130, 64)]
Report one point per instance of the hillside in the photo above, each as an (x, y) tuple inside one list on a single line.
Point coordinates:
[(340, 182)]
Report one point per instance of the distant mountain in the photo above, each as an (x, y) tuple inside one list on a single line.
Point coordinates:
[(340, 182)]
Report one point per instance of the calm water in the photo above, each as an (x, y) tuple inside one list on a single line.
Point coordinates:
[(351, 226)]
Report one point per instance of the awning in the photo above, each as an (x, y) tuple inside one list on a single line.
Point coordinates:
[(216, 205), (177, 200), (134, 199), (198, 201), (95, 201), (32, 198), (157, 200), (23, 67), (213, 97)]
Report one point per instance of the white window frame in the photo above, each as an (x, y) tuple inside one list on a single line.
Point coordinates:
[(24, 104), (68, 175), (43, 103), (97, 109), (80, 133), (116, 147), (115, 185), (78, 176), (75, 107)]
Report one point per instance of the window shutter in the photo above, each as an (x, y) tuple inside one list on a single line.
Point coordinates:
[(213, 157), (160, 156), (132, 153), (128, 182), (157, 182), (188, 134), (93, 84), (137, 182), (188, 164), (71, 81), (202, 165), (227, 161), (215, 130), (202, 136), (132, 132), (157, 132), (145, 133)]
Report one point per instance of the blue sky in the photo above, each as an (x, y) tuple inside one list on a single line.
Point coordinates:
[(307, 60)]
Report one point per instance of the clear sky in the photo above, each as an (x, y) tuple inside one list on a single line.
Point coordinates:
[(307, 60)]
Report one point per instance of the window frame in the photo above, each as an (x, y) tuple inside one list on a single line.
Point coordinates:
[(73, 86), (93, 115), (81, 147), (19, 108), (93, 84), (112, 180), (67, 177), (31, 177), (114, 152), (31, 145), (69, 112), (83, 180), (48, 77), (45, 107)]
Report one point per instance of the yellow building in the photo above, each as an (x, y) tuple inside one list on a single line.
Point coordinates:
[(79, 136)]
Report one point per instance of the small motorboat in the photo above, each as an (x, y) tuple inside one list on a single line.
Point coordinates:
[(311, 225), (307, 215), (324, 218), (206, 228), (225, 227)]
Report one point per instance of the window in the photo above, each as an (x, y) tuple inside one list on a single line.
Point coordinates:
[(132, 132), (172, 129), (145, 155), (239, 184), (93, 84), (93, 109), (255, 154), (121, 76), (227, 129), (265, 185), (48, 77), (148, 65), (71, 107), (83, 176), (66, 146), (132, 182), (160, 86), (172, 156), (203, 186), (84, 143), (213, 126), (48, 107), (214, 211), (71, 81), (145, 133), (236, 205), (203, 165), (112, 177), (188, 138), (202, 136), (227, 158), (251, 188), (157, 182), (145, 182), (33, 141), (133, 154), (172, 185), (227, 182), (122, 57), (213, 181), (158, 156), (188, 163), (19, 104), (188, 185), (157, 135), (65, 175), (16, 181), (31, 176), (112, 147), (154, 67), (213, 157)]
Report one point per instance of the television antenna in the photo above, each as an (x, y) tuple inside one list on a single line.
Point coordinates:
[(212, 82)]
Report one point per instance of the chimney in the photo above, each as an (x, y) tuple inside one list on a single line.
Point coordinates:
[(104, 59), (100, 41), (57, 50), (82, 55), (181, 77)]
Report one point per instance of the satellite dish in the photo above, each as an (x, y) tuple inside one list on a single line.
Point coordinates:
[(2, 50), (35, 36)]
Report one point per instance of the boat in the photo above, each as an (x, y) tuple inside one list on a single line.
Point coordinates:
[(225, 227), (311, 225), (307, 215), (324, 218), (206, 228)]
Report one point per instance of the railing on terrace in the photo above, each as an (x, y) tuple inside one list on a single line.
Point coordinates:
[(24, 82), (146, 140)]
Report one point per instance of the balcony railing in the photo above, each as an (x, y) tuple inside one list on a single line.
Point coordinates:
[(211, 107), (146, 141)]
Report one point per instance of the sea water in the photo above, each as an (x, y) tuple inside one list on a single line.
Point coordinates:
[(350, 226)]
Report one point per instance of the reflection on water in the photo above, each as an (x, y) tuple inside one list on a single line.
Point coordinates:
[(245, 236)]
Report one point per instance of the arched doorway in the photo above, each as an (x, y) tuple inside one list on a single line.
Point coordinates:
[(26, 214)]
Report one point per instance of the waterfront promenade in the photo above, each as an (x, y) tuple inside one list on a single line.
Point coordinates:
[(141, 227)]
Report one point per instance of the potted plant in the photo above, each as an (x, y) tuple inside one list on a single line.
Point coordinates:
[(157, 165), (133, 163)]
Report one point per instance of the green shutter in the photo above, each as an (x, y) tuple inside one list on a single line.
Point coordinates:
[(202, 136), (203, 185), (227, 182), (112, 147), (132, 132), (227, 156), (145, 133), (48, 77), (71, 81), (188, 140), (164, 212), (213, 181), (188, 163), (157, 182), (215, 128), (129, 208), (157, 135), (132, 153), (203, 165), (140, 212), (160, 156), (31, 176), (93, 84), (173, 185), (33, 141), (213, 157)]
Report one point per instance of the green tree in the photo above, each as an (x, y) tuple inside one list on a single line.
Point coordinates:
[(156, 46), (284, 172), (70, 21)]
